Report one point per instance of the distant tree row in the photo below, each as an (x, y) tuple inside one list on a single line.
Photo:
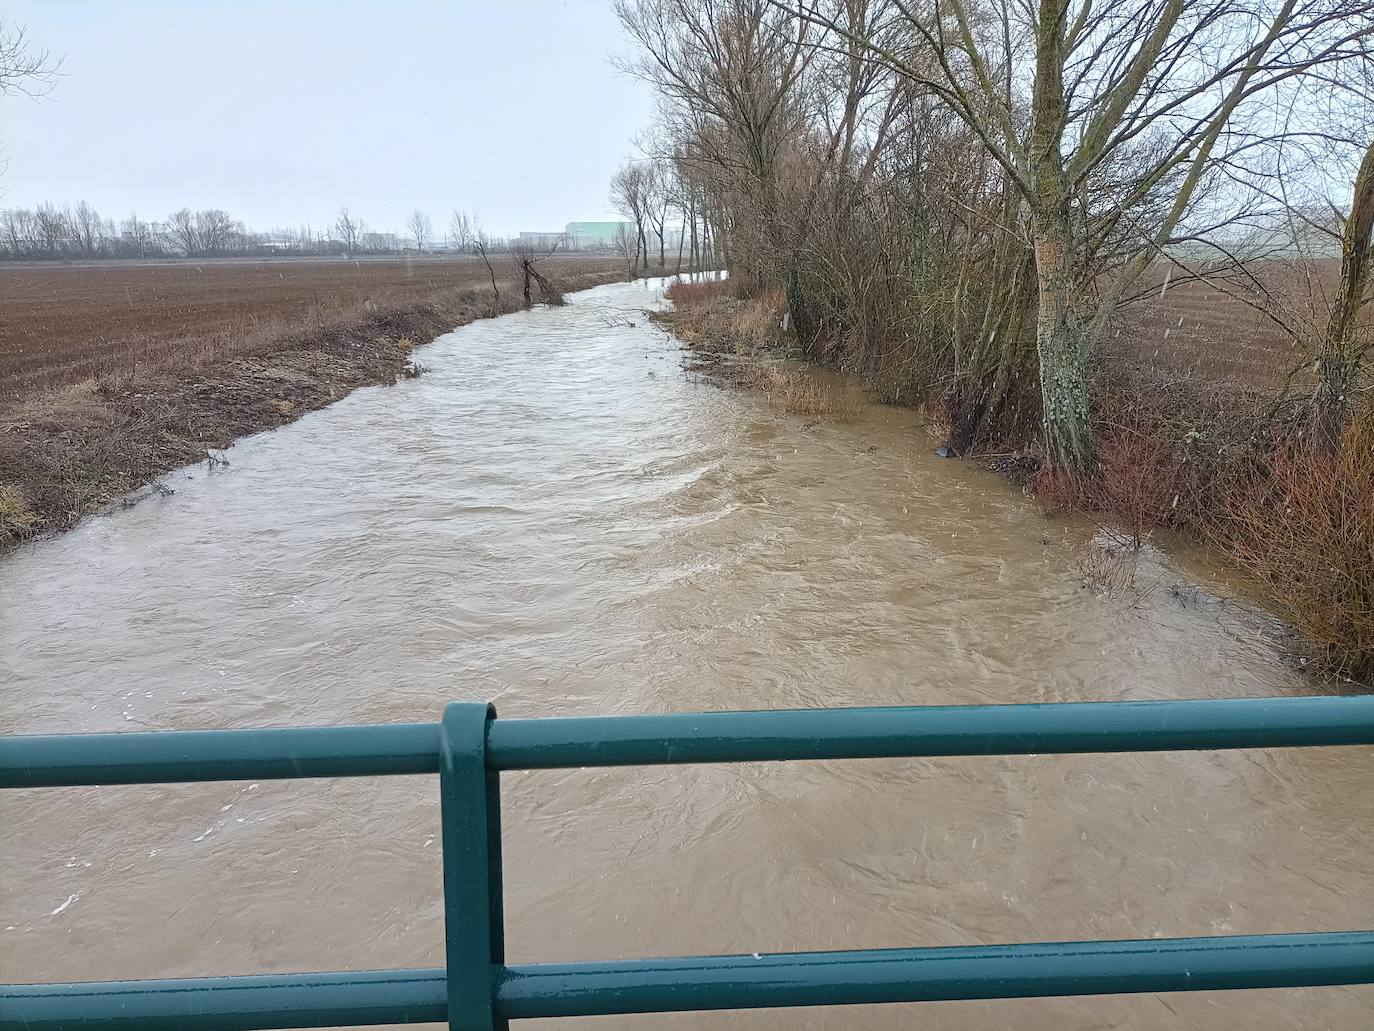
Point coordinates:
[(79, 232)]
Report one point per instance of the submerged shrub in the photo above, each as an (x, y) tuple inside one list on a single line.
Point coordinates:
[(1302, 522), (801, 391)]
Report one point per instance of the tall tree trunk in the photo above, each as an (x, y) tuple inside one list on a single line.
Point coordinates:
[(1060, 346), (1060, 336), (1338, 365)]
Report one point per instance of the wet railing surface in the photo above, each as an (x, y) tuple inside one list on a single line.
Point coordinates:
[(477, 989)]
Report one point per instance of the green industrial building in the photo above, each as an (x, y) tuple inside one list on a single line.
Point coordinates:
[(593, 236)]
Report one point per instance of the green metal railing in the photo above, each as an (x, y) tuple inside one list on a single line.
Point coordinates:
[(479, 991)]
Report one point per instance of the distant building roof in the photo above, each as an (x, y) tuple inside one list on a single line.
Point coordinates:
[(595, 227), (595, 234)]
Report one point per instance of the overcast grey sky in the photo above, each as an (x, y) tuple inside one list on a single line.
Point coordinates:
[(280, 112)]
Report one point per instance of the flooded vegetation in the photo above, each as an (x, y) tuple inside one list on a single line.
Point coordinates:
[(558, 518)]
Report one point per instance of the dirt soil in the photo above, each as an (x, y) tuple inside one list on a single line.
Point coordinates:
[(1220, 333), (112, 376)]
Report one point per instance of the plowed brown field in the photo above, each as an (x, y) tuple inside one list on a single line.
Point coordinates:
[(1211, 333), (61, 325)]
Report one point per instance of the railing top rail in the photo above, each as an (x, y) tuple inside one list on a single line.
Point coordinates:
[(713, 737)]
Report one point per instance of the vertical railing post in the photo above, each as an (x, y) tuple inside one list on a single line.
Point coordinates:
[(470, 806)]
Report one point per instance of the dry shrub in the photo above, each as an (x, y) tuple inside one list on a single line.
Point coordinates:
[(758, 323), (1231, 467), (683, 292), (1302, 522), (17, 519), (937, 417), (721, 325), (1109, 571), (1138, 473), (1167, 452), (799, 391)]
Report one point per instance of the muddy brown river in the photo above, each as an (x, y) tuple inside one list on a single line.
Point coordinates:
[(559, 520)]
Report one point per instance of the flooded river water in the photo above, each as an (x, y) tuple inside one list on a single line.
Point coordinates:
[(556, 519)]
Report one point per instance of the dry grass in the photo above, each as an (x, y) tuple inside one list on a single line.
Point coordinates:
[(739, 341), (17, 519), (710, 319), (686, 292), (801, 391)]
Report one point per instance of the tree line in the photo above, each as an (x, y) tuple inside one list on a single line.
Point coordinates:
[(666, 208), (51, 232), (966, 195)]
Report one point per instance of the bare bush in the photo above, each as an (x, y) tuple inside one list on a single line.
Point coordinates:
[(1302, 522)]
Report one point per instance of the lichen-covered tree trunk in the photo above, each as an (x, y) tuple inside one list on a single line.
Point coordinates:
[(1061, 338), (1061, 347)]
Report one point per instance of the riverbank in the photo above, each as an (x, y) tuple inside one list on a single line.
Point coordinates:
[(1212, 460), (75, 445)]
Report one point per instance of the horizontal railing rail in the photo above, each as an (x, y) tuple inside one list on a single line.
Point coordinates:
[(166, 757), (478, 990)]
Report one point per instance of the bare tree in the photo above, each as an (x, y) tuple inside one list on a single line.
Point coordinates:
[(731, 69), (627, 245), (86, 228), (20, 233), (15, 231), (483, 246), (53, 229), (209, 231), (420, 228), (657, 197), (136, 234), (526, 255), (630, 196), (348, 230), (217, 230), (25, 70), (181, 224), (462, 230)]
